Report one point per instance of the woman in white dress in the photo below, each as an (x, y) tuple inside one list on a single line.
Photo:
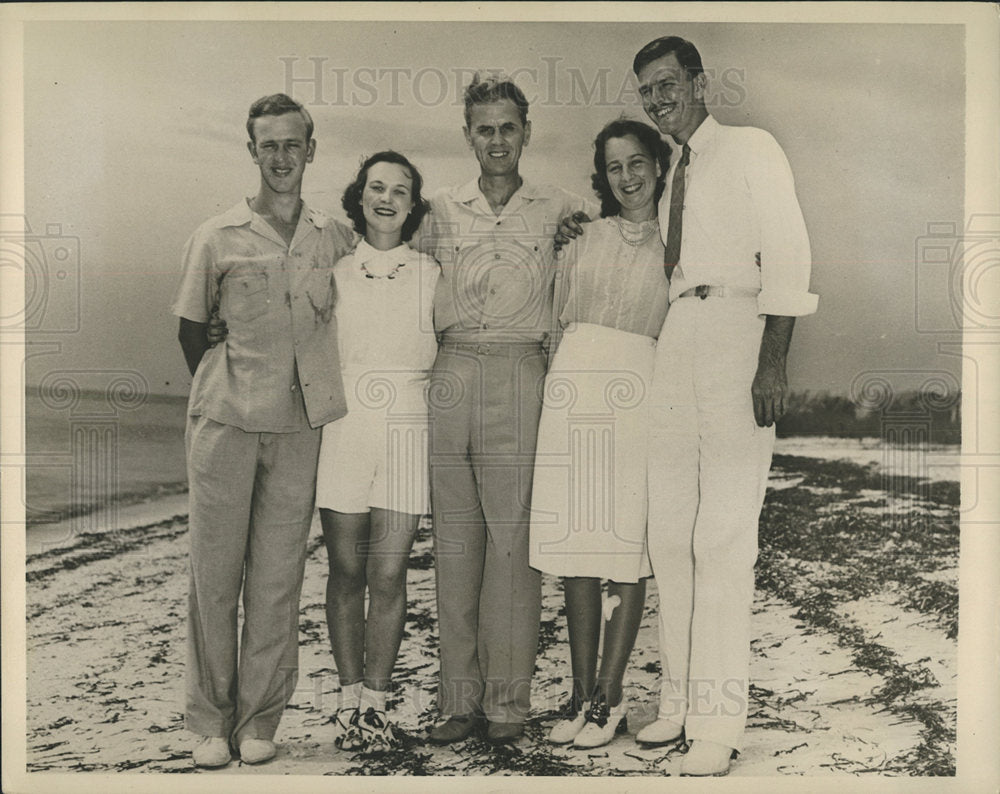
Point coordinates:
[(372, 483), (589, 492)]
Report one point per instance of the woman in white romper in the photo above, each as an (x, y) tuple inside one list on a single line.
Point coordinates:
[(372, 484), (588, 507)]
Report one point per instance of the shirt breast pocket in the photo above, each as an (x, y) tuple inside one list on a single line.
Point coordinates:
[(246, 296)]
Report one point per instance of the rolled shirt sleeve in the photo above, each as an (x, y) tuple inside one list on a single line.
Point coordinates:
[(785, 257)]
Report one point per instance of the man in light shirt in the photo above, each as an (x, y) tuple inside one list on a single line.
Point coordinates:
[(719, 385), (257, 404), (739, 279), (492, 309)]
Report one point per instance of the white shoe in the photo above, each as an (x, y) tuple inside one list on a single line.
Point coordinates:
[(257, 751), (347, 730), (212, 752), (601, 724), (574, 715), (377, 733), (659, 733), (706, 759)]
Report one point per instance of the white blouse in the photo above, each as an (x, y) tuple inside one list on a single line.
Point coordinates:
[(613, 276), (384, 310)]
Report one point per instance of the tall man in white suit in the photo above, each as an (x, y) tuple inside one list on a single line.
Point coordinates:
[(738, 256)]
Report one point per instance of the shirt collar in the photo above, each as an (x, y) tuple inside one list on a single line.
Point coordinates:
[(702, 137), (470, 191), (241, 215), (238, 215), (367, 253)]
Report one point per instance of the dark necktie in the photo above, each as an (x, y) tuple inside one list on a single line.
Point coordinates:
[(672, 253)]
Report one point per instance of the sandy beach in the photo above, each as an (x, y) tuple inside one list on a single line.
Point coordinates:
[(854, 668)]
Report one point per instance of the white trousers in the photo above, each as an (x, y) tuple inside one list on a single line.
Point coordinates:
[(708, 465)]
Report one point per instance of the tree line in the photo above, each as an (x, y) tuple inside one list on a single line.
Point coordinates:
[(907, 416)]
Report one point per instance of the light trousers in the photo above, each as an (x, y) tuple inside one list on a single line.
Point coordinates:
[(707, 476), (251, 505), (484, 410)]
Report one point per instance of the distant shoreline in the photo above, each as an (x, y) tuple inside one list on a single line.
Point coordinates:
[(67, 513), (940, 462), (32, 389)]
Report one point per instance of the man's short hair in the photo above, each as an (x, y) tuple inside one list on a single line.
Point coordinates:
[(684, 51), (278, 105), (489, 89)]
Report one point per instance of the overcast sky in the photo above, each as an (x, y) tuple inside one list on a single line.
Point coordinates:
[(134, 134)]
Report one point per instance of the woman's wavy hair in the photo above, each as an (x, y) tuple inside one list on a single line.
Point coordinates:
[(650, 140), (352, 195)]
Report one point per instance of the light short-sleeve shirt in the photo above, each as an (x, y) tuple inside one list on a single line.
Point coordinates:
[(496, 270), (742, 224), (278, 370)]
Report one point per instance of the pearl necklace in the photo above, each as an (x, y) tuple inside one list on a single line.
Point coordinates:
[(636, 243), (653, 228), (391, 274)]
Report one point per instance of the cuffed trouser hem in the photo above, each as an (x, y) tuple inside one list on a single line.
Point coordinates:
[(205, 730)]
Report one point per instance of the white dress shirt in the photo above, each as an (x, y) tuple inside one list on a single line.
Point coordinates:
[(742, 225)]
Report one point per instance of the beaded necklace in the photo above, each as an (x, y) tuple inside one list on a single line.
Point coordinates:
[(391, 274)]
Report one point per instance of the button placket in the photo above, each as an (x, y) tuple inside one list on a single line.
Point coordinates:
[(286, 288)]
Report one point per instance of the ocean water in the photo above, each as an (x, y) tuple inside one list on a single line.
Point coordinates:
[(85, 452)]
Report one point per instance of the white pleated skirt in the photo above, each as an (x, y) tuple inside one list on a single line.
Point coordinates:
[(588, 504)]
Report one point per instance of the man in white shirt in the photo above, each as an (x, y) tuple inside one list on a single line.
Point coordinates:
[(719, 385), (738, 257)]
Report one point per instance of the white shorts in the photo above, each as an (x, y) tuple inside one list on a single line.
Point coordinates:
[(376, 456)]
